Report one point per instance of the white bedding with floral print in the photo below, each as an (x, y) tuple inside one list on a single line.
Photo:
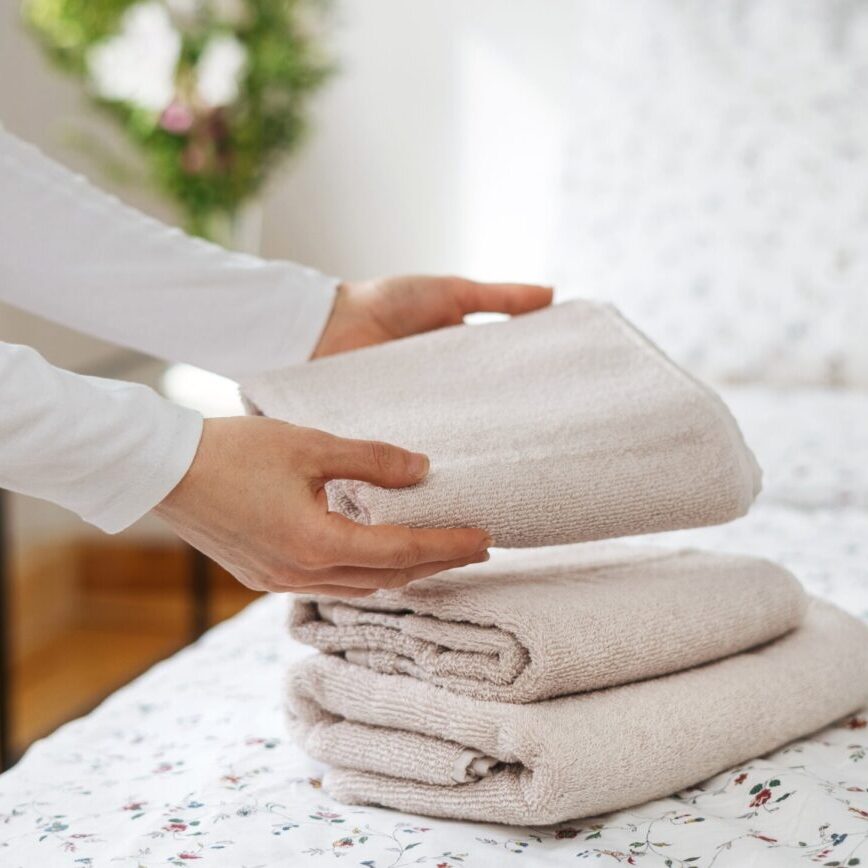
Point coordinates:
[(190, 764)]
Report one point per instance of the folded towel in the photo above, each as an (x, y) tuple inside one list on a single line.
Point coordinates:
[(559, 426), (402, 743), (539, 623)]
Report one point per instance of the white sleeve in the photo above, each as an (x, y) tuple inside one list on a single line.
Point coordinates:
[(107, 450), (112, 451), (71, 253)]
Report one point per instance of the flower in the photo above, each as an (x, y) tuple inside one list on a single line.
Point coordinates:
[(177, 118), (741, 778), (219, 70), (761, 797), (138, 64)]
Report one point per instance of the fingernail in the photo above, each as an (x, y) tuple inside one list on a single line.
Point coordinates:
[(486, 543), (481, 558), (418, 464)]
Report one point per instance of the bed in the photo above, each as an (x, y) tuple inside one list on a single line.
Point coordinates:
[(190, 764)]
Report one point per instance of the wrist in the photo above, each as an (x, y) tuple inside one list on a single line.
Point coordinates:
[(174, 501)]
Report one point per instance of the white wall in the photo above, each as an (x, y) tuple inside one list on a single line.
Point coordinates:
[(436, 148)]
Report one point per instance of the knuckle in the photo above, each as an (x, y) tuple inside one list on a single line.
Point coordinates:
[(381, 455)]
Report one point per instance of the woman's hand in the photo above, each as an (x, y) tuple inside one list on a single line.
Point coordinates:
[(381, 310), (253, 501)]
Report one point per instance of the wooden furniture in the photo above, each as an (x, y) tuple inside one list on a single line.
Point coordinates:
[(199, 596)]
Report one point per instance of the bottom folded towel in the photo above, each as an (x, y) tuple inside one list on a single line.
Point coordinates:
[(402, 743)]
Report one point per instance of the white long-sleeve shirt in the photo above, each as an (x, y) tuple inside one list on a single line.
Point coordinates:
[(111, 451)]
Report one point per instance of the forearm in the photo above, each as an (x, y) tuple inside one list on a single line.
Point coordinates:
[(76, 255), (106, 450)]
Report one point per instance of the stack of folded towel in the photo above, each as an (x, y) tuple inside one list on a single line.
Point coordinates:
[(566, 681)]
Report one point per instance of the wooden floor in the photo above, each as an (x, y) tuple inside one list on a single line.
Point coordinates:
[(132, 609)]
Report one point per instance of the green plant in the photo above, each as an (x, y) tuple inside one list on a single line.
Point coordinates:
[(213, 92)]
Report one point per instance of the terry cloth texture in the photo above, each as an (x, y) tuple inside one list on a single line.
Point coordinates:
[(563, 425), (403, 743), (533, 624)]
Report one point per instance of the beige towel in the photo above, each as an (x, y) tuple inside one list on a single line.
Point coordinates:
[(538, 623), (559, 426), (399, 742)]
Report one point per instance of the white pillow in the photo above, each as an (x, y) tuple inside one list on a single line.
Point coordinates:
[(717, 182)]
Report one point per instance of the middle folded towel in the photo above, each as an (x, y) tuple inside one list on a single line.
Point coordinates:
[(535, 624)]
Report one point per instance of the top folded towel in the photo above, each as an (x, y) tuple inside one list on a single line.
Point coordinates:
[(559, 426)]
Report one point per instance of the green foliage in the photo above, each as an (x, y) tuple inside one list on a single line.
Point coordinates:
[(209, 159)]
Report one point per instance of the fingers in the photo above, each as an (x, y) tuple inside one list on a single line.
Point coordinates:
[(369, 461), (511, 298), (396, 547), (372, 578), (362, 581)]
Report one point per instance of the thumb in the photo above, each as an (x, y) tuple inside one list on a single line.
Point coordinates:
[(370, 461)]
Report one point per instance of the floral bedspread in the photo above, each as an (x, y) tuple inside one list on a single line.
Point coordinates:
[(190, 765)]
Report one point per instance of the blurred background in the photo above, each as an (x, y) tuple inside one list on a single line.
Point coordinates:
[(413, 116), (704, 166)]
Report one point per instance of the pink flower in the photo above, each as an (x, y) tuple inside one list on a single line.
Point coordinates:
[(176, 118), (175, 827), (741, 778), (186, 855)]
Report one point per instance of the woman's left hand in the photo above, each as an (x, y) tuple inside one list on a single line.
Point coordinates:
[(375, 311)]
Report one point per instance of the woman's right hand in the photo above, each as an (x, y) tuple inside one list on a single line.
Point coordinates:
[(254, 501)]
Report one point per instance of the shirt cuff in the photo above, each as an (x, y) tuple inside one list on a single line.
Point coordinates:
[(314, 294)]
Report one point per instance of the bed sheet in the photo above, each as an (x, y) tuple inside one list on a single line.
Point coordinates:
[(191, 765), (811, 443)]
